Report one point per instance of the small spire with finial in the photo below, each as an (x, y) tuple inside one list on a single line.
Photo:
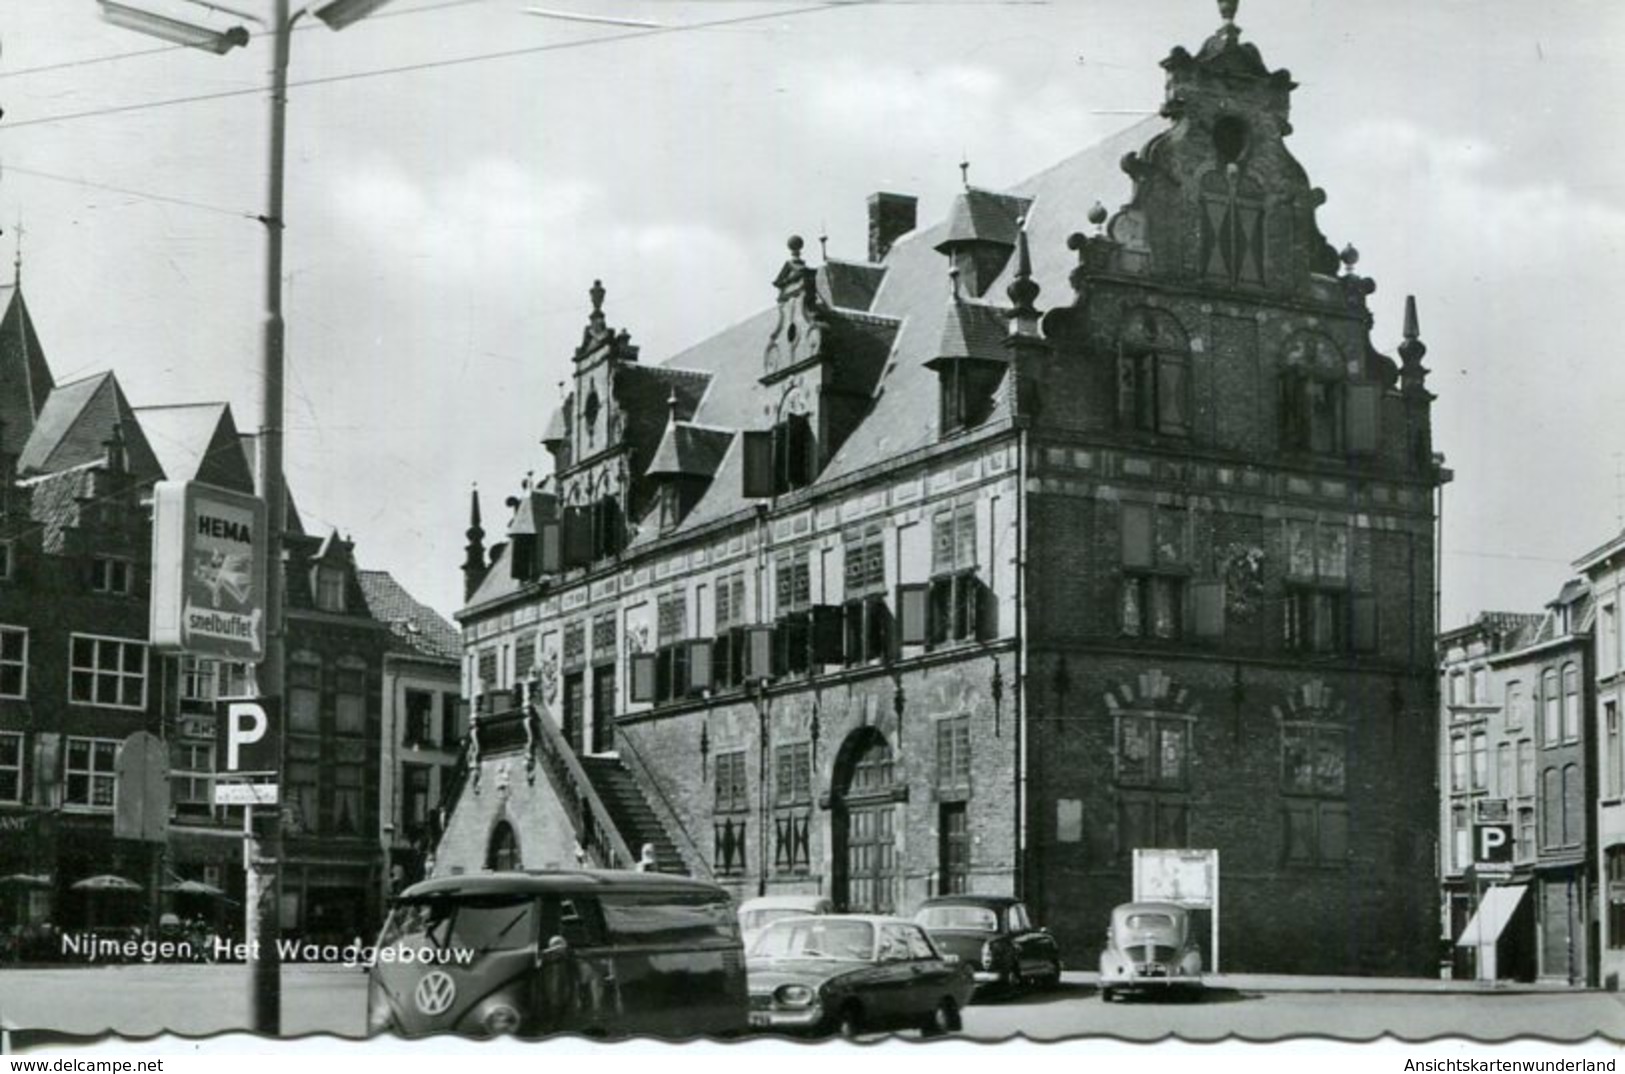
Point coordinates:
[(823, 242), (1412, 349), (1097, 217), (596, 293), (795, 243), (1227, 11), (1023, 289), (964, 169), (671, 406), (1349, 256)]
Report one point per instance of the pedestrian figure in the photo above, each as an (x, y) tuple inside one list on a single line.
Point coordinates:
[(647, 863)]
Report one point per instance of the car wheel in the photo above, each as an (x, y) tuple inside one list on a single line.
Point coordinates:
[(1052, 979), (850, 1023), (943, 1020), (1016, 980), (1107, 995)]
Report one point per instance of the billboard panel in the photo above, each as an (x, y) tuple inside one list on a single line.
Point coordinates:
[(208, 571)]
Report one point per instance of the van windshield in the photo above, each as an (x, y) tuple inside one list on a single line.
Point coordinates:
[(977, 918), (489, 923)]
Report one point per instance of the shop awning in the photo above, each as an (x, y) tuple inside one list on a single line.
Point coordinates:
[(1495, 909)]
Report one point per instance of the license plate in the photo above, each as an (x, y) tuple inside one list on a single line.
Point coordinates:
[(760, 1018)]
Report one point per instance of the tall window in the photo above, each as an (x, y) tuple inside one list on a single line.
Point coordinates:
[(732, 806), (415, 801), (1571, 703), (302, 792), (329, 586), (1526, 767), (1312, 412), (1504, 770), (1481, 761), (1573, 805), (1517, 704), (953, 755), (1551, 808), (729, 654), (90, 775), (966, 390), (957, 595), (1321, 614), (304, 678), (1458, 763), (792, 795), (671, 656), (108, 671), (13, 661), (1611, 748), (793, 453), (347, 816), (792, 589), (11, 767), (1552, 706), (350, 699), (1153, 780), (1314, 763), (868, 620), (524, 657), (1461, 838), (1154, 389), (953, 848), (1155, 557), (419, 706), (1614, 870), (1524, 844), (1479, 687)]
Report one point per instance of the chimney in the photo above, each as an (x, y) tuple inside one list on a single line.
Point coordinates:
[(890, 217)]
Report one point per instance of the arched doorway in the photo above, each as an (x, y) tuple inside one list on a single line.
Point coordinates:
[(502, 852), (864, 820)]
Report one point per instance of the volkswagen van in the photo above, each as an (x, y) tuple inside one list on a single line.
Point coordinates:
[(534, 953)]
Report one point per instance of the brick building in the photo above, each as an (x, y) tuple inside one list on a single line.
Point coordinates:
[(77, 677), (1604, 570), (903, 586)]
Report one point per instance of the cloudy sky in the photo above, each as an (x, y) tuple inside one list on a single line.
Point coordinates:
[(459, 172)]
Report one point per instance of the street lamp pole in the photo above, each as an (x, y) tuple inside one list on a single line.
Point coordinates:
[(262, 903)]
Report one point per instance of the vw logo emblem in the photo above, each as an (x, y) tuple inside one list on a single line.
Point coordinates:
[(435, 993)]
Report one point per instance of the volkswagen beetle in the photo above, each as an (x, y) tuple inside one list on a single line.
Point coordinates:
[(1149, 949)]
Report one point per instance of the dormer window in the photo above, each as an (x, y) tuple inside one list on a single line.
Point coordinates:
[(327, 584), (781, 460)]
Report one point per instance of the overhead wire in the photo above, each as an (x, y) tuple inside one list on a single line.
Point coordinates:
[(429, 65)]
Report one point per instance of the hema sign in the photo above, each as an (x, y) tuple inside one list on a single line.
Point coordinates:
[(208, 571)]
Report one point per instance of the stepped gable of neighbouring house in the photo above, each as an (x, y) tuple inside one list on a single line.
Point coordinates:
[(415, 628)]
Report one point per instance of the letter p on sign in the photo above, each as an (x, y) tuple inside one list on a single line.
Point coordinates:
[(1494, 843), (247, 737)]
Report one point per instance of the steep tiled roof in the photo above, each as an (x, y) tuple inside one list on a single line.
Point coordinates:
[(849, 284), (985, 215), (973, 330), (75, 425), (693, 450), (197, 442), (25, 377), (414, 627)]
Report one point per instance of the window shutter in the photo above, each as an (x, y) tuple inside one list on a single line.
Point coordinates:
[(679, 670), (643, 677), (1208, 602), (522, 557), (1334, 833), (912, 604), (549, 553), (1364, 401), (1136, 535), (701, 674), (1126, 392), (577, 537), (828, 629), (757, 451), (1365, 623), (759, 652)]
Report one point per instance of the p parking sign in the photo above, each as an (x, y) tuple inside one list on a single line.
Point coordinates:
[(246, 736), (1492, 844)]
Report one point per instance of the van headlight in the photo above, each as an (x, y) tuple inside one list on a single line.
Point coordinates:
[(987, 954), (501, 1019), (794, 995), (380, 1018)]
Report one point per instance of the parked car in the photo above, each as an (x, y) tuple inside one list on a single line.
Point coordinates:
[(758, 913), (1149, 949), (851, 974), (530, 953), (993, 934)]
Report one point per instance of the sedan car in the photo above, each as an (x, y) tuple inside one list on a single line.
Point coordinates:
[(1149, 948), (758, 913), (994, 935), (851, 974)]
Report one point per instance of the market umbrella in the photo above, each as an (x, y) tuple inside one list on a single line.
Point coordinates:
[(106, 882), (24, 880), (194, 887)]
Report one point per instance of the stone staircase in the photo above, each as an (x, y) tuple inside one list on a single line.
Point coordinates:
[(634, 819)]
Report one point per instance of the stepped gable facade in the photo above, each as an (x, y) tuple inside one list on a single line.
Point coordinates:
[(1048, 534)]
